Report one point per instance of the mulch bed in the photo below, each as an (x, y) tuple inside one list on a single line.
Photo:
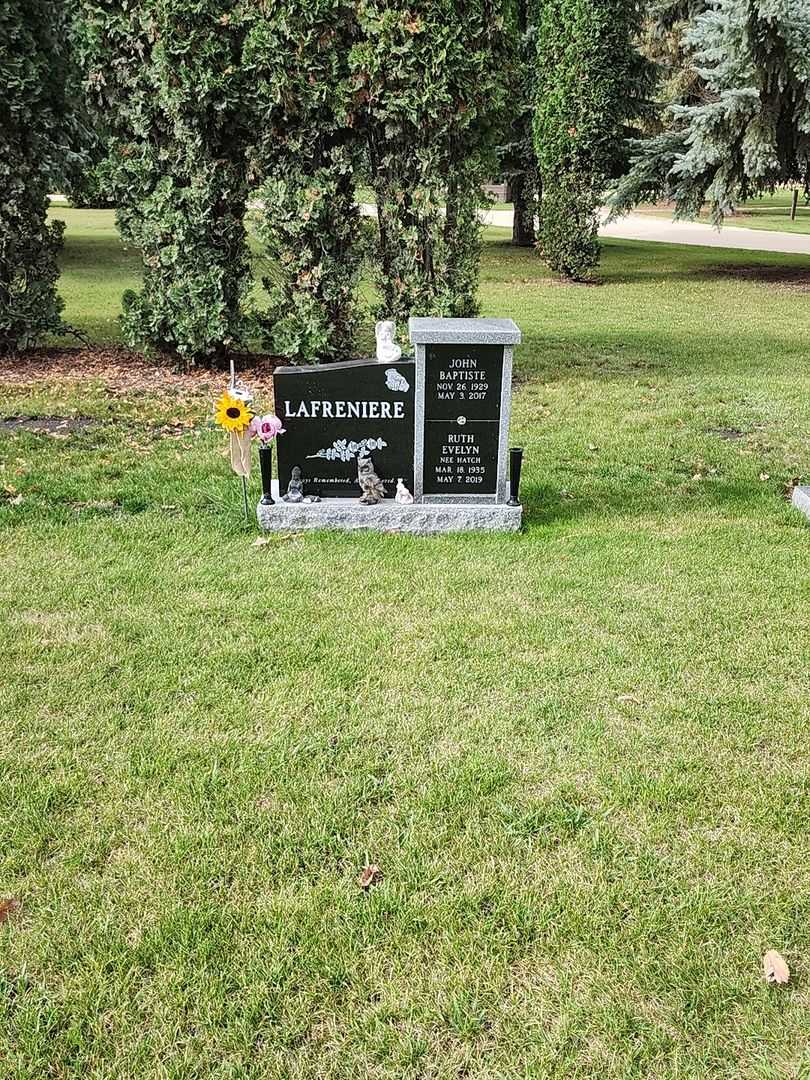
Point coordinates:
[(126, 372)]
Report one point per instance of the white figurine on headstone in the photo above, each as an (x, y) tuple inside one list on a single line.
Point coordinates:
[(403, 495), (388, 352)]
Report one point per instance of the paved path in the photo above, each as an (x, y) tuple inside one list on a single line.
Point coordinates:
[(665, 231)]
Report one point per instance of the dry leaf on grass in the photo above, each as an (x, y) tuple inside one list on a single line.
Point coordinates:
[(276, 538), (8, 905), (776, 969), (369, 875)]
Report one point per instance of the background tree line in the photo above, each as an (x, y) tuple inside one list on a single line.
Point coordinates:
[(202, 119)]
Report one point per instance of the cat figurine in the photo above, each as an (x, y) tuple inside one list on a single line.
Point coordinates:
[(370, 484)]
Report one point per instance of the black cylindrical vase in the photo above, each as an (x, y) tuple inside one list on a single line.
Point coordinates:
[(515, 464), (266, 467)]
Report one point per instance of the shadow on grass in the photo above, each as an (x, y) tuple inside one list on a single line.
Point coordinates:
[(627, 262), (545, 505)]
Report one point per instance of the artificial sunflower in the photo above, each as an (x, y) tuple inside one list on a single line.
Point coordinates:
[(232, 414)]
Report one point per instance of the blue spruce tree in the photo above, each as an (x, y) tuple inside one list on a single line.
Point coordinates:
[(752, 130)]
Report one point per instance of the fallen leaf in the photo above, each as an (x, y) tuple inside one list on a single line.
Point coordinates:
[(764, 476), (776, 969), (8, 905), (96, 504), (275, 538), (629, 698), (369, 875)]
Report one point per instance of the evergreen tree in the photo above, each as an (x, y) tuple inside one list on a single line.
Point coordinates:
[(591, 81), (518, 160), (84, 181), (663, 42), (306, 150), (37, 133), (168, 76), (431, 75), (751, 131)]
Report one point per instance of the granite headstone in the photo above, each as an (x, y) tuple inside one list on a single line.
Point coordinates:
[(334, 412), (462, 406)]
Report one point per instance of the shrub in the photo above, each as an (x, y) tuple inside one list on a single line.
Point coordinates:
[(168, 76), (590, 80), (36, 133), (431, 75), (296, 59)]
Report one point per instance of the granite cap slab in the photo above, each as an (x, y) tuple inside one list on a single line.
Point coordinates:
[(424, 331)]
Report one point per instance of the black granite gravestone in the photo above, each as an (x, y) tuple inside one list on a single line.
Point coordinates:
[(333, 412), (462, 418)]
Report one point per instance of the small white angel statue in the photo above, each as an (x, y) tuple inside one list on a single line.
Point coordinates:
[(388, 352), (403, 495)]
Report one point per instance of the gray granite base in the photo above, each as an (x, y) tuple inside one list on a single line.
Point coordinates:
[(801, 500), (420, 519)]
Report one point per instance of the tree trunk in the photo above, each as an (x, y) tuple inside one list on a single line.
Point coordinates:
[(523, 231)]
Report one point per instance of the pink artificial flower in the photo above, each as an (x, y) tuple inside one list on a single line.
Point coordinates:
[(265, 428)]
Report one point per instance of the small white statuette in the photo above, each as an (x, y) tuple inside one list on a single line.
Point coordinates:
[(403, 495), (388, 352), (395, 381)]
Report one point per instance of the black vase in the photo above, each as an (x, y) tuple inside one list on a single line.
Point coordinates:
[(515, 463), (266, 467)]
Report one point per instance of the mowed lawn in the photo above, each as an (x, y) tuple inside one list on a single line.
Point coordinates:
[(765, 212), (579, 755)]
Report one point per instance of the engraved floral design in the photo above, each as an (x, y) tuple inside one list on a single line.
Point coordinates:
[(395, 381), (347, 449)]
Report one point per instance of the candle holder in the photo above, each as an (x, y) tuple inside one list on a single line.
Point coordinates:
[(515, 465), (266, 467)]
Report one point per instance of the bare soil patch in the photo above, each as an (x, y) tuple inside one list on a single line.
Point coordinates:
[(729, 434), (786, 278), (46, 425)]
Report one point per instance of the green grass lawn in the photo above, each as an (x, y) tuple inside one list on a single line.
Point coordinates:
[(579, 755), (768, 212), (96, 269)]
